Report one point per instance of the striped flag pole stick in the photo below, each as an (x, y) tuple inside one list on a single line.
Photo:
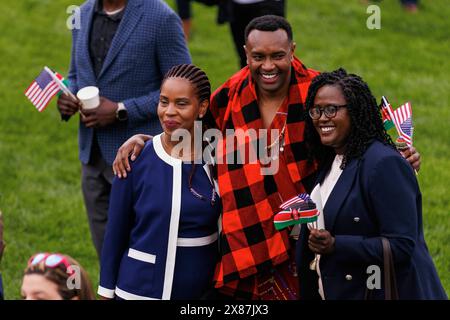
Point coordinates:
[(386, 103), (392, 116), (412, 131), (62, 86)]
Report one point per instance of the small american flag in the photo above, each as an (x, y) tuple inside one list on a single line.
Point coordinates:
[(43, 89), (297, 199), (403, 121)]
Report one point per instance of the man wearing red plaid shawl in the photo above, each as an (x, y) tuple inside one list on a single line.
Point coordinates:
[(267, 94)]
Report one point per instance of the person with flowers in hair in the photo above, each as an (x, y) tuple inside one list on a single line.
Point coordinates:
[(55, 276)]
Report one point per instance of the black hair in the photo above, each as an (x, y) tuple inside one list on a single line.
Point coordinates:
[(203, 91), (195, 75), (365, 117), (269, 23)]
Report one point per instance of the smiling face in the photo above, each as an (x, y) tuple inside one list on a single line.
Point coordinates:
[(269, 56), (334, 131), (179, 105), (37, 287)]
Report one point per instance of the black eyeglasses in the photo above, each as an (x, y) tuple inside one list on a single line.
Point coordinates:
[(330, 111)]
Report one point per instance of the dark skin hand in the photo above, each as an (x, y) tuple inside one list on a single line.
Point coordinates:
[(133, 147), (101, 116), (321, 241), (67, 105), (412, 156)]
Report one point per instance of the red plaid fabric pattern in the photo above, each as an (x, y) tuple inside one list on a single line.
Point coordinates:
[(250, 244)]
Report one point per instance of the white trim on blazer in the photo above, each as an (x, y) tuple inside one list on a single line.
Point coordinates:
[(105, 292), (130, 296), (197, 242), (141, 256), (174, 217)]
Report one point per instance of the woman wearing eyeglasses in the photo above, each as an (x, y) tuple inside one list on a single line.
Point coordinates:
[(54, 276), (162, 231), (366, 190)]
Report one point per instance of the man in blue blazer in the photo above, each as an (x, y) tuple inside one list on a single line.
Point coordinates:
[(124, 48)]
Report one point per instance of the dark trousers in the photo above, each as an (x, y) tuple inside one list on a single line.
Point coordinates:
[(241, 14), (96, 181)]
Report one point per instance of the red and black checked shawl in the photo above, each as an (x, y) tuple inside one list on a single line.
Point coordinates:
[(249, 242)]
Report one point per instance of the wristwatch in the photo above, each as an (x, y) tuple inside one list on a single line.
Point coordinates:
[(121, 112)]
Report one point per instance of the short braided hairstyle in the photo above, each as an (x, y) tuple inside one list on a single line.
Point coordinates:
[(365, 117), (195, 75), (202, 86)]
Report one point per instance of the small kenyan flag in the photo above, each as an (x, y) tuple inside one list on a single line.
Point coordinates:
[(386, 111), (301, 210)]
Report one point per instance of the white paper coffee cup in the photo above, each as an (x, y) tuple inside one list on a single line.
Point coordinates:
[(89, 97)]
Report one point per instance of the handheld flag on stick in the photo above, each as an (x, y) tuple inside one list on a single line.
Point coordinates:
[(401, 118), (386, 109), (43, 89), (60, 81), (403, 121), (298, 210)]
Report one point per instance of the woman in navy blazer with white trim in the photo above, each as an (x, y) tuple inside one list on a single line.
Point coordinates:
[(365, 190), (162, 231)]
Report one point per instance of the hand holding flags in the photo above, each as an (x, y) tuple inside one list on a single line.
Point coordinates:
[(300, 209), (45, 87), (401, 118)]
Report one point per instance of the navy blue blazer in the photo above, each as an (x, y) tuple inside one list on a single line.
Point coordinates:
[(148, 42), (160, 240), (377, 195)]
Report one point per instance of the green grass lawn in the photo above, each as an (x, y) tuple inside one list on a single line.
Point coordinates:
[(40, 193)]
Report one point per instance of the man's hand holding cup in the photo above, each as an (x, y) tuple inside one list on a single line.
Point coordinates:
[(101, 116), (97, 111)]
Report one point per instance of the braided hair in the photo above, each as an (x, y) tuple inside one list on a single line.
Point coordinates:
[(195, 75), (365, 117), (198, 78)]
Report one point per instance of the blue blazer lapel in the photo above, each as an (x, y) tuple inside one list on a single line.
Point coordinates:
[(339, 193), (129, 21), (84, 44)]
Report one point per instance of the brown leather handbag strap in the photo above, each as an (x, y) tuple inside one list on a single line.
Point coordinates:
[(390, 282)]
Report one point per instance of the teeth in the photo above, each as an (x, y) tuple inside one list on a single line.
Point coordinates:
[(269, 76), (327, 129)]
